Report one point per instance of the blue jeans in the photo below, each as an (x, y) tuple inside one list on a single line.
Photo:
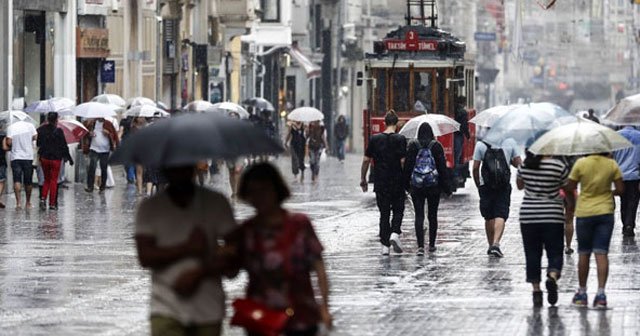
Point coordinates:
[(340, 149), (131, 173), (594, 234)]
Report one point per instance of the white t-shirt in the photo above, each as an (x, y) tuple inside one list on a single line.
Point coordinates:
[(171, 225), (100, 142), (22, 145)]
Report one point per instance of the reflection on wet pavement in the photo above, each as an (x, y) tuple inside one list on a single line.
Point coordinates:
[(74, 272)]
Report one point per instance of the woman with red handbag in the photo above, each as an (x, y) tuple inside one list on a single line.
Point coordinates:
[(279, 250)]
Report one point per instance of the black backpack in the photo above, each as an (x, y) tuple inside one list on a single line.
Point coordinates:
[(496, 173)]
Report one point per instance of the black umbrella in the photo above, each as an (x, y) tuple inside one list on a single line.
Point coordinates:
[(190, 138), (260, 104)]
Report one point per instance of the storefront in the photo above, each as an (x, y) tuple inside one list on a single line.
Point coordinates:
[(91, 49)]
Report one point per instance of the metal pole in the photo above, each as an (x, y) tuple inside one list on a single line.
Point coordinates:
[(158, 57)]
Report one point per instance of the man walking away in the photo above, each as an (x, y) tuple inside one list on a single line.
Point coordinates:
[(629, 161), (21, 146), (492, 176), (341, 132), (3, 169), (387, 150), (103, 138)]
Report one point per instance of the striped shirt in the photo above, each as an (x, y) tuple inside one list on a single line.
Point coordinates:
[(542, 202)]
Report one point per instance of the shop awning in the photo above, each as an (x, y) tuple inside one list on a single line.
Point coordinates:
[(313, 70)]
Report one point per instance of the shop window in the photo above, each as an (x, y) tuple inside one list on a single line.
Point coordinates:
[(270, 10)]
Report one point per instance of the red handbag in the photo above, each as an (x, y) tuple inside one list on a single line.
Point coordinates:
[(257, 318)]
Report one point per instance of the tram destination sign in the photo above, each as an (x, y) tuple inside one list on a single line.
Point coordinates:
[(411, 43)]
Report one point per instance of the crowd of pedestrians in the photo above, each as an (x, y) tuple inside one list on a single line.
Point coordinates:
[(551, 200)]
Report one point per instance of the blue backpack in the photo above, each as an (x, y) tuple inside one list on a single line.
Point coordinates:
[(425, 173)]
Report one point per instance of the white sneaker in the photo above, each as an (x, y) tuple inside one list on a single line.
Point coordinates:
[(385, 250), (395, 242)]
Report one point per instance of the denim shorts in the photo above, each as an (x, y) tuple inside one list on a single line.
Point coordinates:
[(22, 171), (3, 173), (594, 234)]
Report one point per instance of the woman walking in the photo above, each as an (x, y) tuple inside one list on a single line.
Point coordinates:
[(426, 177), (52, 150), (542, 220), (594, 219), (296, 144), (317, 142), (279, 250)]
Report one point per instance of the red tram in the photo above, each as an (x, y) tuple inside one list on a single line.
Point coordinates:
[(419, 68)]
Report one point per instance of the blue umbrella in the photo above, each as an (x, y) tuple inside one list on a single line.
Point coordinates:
[(526, 123)]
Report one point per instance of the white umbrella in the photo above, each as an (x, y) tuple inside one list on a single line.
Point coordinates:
[(15, 116), (487, 117), (108, 98), (138, 101), (198, 106), (579, 138), (626, 112), (306, 114), (229, 107), (145, 111), (62, 105), (95, 110), (440, 124), (20, 127)]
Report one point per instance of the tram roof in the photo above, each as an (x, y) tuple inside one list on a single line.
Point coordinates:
[(417, 63)]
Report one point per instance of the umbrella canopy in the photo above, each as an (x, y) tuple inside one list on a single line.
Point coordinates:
[(139, 101), (489, 116), (15, 116), (260, 104), (198, 106), (20, 127), (95, 110), (579, 138), (108, 98), (306, 114), (626, 112), (145, 111), (527, 122), (62, 105), (162, 105), (73, 130), (228, 107), (440, 124), (188, 139)]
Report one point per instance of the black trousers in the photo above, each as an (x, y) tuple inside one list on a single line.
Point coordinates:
[(94, 157), (432, 198), (629, 203), (390, 201), (297, 159), (535, 238)]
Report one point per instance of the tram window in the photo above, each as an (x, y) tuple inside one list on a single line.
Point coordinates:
[(380, 107), (400, 91), (422, 91), (442, 89)]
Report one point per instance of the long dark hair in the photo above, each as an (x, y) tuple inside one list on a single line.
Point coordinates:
[(532, 161), (425, 134)]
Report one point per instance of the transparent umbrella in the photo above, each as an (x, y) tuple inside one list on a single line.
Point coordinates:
[(440, 124), (138, 101), (228, 107), (95, 110), (62, 105), (198, 106), (260, 104), (145, 111), (108, 98), (579, 138), (526, 123), (489, 116), (306, 114), (626, 112)]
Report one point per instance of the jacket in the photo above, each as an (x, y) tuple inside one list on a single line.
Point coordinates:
[(51, 144), (108, 127)]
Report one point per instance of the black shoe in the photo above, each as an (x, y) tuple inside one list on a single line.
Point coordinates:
[(89, 190), (53, 207), (552, 291), (432, 248), (489, 250), (628, 231), (102, 190), (43, 204), (568, 251), (537, 299), (496, 252)]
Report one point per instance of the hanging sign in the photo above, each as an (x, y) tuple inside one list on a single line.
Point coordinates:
[(411, 43)]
